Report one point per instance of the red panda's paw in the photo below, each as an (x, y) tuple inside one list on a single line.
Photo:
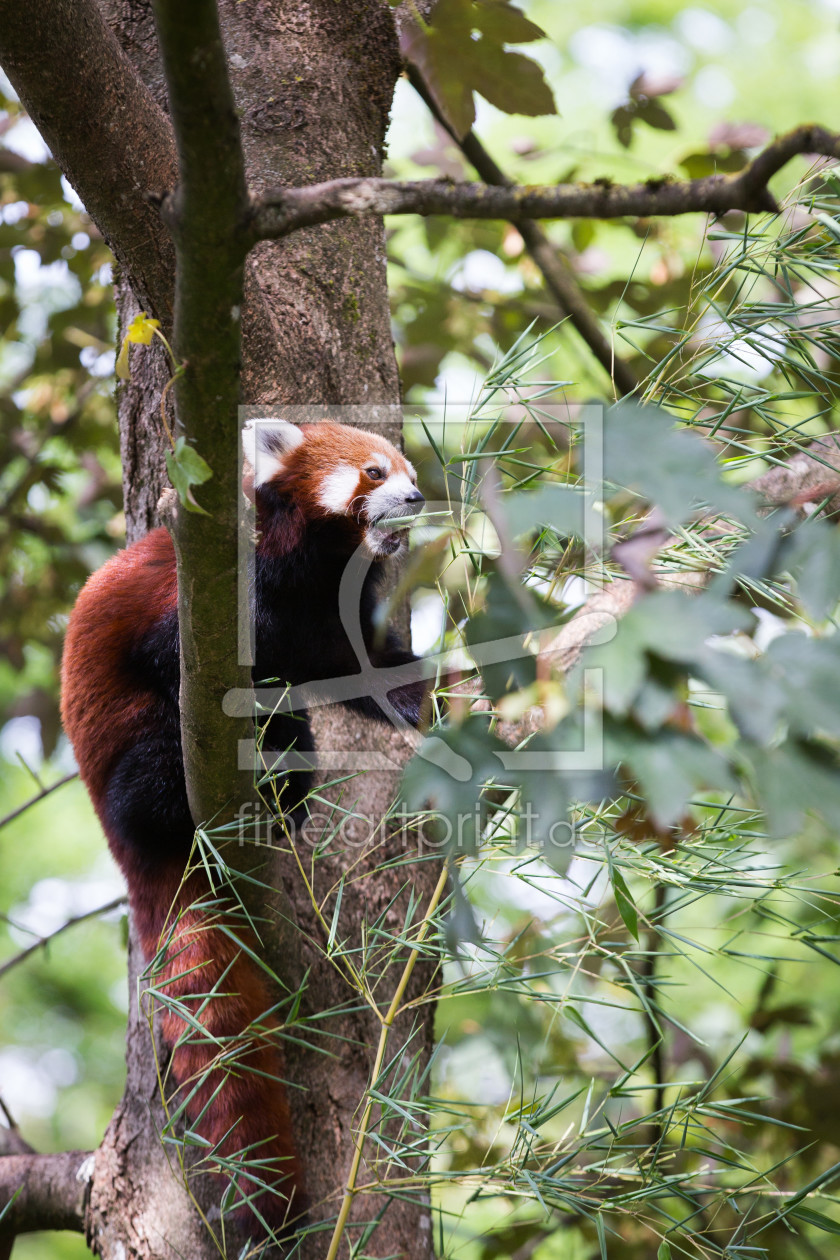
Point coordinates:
[(413, 703)]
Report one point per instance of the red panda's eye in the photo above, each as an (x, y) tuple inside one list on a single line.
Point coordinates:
[(375, 474)]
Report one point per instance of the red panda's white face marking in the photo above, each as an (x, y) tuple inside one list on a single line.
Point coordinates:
[(338, 489), (333, 470), (265, 443)]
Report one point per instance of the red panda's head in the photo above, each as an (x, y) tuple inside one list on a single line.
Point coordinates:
[(333, 471)]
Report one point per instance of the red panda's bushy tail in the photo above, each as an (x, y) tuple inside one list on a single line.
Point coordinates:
[(226, 1059)]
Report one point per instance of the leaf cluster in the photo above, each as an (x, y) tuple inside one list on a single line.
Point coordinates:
[(60, 490)]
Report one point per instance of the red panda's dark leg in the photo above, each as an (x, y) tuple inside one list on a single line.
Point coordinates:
[(147, 820), (409, 699), (146, 800)]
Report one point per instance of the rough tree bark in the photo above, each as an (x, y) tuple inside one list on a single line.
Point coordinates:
[(313, 84)]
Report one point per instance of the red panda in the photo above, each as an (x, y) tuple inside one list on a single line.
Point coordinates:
[(322, 491)]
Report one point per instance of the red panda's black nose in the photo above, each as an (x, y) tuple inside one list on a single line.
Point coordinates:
[(415, 498)]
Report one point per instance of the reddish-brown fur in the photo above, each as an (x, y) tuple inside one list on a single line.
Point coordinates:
[(252, 1103), (104, 714), (120, 708), (327, 447), (120, 602)]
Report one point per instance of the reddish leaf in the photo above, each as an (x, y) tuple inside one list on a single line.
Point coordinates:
[(461, 51), (656, 115), (503, 23), (744, 135), (435, 54), (512, 82), (644, 87)]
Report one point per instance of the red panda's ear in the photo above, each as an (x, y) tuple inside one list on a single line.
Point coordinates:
[(265, 444)]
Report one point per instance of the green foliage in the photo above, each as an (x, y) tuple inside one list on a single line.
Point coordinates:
[(60, 492), (667, 467), (717, 742), (186, 469), (62, 1010), (638, 1033), (461, 50), (722, 64)]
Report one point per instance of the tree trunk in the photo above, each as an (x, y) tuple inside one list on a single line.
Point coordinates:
[(313, 83)]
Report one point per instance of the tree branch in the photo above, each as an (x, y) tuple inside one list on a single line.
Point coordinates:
[(11, 1140), (12, 163), (556, 272), (33, 800), (45, 940), (206, 213), (103, 128), (43, 1192), (812, 474), (655, 1036), (285, 210)]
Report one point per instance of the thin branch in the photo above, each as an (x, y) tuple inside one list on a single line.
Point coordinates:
[(807, 477), (655, 1035), (11, 1141), (43, 1192), (103, 127), (207, 212), (51, 430), (45, 940), (33, 800), (556, 272), (13, 163), (285, 210)]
